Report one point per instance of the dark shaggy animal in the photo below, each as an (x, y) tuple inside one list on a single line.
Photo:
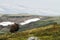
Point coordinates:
[(14, 28)]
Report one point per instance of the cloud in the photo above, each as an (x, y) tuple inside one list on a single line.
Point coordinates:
[(40, 7), (1, 9)]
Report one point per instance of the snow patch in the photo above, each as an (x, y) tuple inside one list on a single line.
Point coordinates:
[(29, 21), (6, 23)]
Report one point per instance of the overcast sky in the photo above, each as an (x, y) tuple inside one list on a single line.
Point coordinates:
[(40, 7)]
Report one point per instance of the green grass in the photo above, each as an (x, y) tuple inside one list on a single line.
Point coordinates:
[(43, 33)]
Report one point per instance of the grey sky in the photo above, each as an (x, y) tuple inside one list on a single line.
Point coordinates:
[(40, 7)]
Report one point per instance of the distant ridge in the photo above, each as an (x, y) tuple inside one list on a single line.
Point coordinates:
[(17, 14), (1, 14)]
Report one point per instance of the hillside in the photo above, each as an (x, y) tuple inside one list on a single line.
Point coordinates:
[(29, 26), (43, 33), (36, 25), (48, 28), (20, 17)]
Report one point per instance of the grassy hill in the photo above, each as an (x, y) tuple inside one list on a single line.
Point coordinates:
[(48, 32), (36, 25)]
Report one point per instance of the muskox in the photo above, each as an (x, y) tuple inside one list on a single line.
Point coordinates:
[(14, 28)]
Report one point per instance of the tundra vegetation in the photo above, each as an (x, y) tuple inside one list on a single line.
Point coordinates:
[(44, 32)]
